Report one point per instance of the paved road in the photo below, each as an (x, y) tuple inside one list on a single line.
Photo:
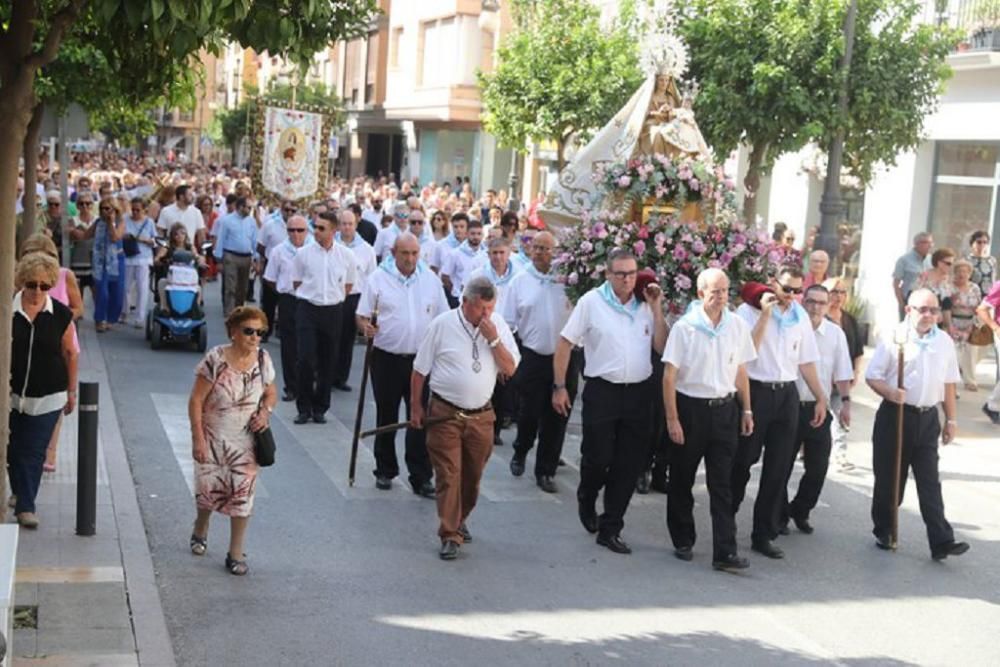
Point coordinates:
[(351, 576)]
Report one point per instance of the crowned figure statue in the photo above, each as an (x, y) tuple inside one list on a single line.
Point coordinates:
[(670, 128)]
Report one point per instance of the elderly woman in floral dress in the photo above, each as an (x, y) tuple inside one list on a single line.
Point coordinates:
[(233, 397), (965, 298)]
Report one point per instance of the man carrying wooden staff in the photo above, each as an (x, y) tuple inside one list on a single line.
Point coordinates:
[(930, 372)]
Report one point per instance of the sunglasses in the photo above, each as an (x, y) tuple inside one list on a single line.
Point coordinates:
[(250, 331), (790, 290), (289, 210), (54, 203), (35, 285), (928, 310), (83, 203), (297, 230)]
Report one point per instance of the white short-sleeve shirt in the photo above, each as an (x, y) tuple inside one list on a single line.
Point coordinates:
[(536, 307), (405, 307), (783, 349), (324, 273), (364, 256), (386, 238), (272, 233), (707, 364), (927, 365), (279, 268), (191, 217), (459, 265), (834, 364), (616, 347), (446, 354)]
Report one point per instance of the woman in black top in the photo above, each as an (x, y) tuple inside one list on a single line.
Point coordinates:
[(42, 379), (856, 350)]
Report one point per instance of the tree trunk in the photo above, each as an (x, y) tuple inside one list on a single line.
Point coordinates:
[(560, 150), (30, 215), (751, 182), (17, 99)]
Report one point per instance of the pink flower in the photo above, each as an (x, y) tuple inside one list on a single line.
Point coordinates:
[(694, 184), (643, 232), (715, 264), (586, 247), (680, 254), (698, 247), (682, 282), (686, 238), (624, 181), (639, 247), (573, 278)]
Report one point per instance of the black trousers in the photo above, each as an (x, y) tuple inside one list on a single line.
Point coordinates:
[(615, 436), (658, 455), (710, 432), (348, 332), (920, 452), (776, 418), (537, 418), (268, 303), (318, 331), (287, 307), (391, 384), (816, 444)]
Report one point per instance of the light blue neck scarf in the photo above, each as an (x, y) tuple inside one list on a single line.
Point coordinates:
[(451, 240), (697, 318), (355, 242), (541, 277), (389, 266), (789, 318), (497, 280), (924, 341), (467, 250), (629, 309)]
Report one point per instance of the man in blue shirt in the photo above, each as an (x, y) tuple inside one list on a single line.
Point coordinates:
[(236, 246)]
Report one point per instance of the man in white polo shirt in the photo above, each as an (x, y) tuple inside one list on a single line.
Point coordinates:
[(463, 260), (387, 236), (463, 351), (786, 346), (706, 398), (279, 275), (408, 297), (833, 367), (930, 374), (364, 257), (616, 332), (323, 274), (184, 212)]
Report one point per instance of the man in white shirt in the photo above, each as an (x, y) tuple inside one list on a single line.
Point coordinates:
[(364, 257), (833, 368), (463, 260), (323, 274), (279, 276), (536, 308), (272, 233), (463, 352), (183, 211), (418, 227), (706, 399), (930, 374), (407, 297), (786, 346), (616, 332), (386, 237), (447, 245)]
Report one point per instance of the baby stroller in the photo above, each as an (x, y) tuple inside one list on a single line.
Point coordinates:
[(177, 316)]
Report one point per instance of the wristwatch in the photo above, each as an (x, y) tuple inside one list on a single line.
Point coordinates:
[(845, 399), (495, 342), (557, 387)]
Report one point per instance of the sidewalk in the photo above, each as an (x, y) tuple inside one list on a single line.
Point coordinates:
[(96, 597)]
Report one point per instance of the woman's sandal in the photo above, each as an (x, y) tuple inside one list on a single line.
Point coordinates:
[(237, 567), (199, 545)]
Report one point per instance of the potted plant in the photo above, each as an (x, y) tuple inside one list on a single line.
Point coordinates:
[(986, 25)]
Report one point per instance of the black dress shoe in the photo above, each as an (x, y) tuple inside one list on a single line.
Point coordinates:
[(949, 549), (342, 386), (562, 462), (767, 548), (424, 490), (517, 465), (287, 396), (319, 418), (803, 525), (464, 532), (883, 543), (683, 553), (302, 418), (730, 563), (992, 414), (449, 550), (546, 484), (588, 515), (614, 543), (642, 484), (383, 483)]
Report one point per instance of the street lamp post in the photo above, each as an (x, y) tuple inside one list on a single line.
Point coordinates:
[(489, 19), (831, 205)]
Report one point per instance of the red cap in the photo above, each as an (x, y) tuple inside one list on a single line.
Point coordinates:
[(644, 278), (753, 292)]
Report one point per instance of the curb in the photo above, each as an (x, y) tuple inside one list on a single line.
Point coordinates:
[(146, 612)]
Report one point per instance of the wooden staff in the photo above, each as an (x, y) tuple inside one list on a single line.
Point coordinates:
[(392, 428), (361, 399), (898, 457)]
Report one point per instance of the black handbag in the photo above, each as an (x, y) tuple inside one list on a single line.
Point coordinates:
[(130, 245), (264, 447)]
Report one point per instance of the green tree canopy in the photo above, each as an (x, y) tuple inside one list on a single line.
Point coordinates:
[(769, 74), (559, 73)]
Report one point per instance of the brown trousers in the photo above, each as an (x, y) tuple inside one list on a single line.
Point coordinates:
[(459, 450)]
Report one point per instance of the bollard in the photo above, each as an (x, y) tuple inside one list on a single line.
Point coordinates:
[(86, 460)]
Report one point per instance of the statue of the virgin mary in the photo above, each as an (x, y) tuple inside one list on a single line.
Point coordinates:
[(657, 119)]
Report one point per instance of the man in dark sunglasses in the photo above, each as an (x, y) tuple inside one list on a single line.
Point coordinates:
[(278, 276), (786, 349)]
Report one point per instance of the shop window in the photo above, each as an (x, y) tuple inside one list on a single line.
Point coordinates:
[(966, 192)]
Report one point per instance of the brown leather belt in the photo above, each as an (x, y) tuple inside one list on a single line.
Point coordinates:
[(473, 411)]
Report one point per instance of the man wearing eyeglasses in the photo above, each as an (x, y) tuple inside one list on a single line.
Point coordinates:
[(930, 375), (786, 348), (833, 368), (387, 236), (323, 274), (278, 275), (272, 233), (616, 331)]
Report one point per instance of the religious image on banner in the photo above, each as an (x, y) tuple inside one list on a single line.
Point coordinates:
[(292, 154)]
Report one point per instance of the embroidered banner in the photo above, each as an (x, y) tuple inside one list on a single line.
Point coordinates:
[(292, 152)]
